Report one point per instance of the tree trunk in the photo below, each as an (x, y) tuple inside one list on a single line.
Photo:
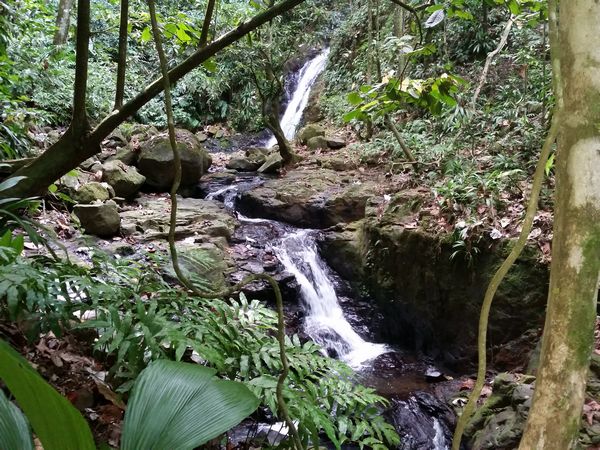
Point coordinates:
[(63, 20), (271, 118), (67, 153), (567, 342), (122, 63)]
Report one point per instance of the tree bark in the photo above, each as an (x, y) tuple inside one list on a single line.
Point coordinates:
[(79, 122), (122, 62), (64, 156), (210, 9), (567, 342), (63, 20)]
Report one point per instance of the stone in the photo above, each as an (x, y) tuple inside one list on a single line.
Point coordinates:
[(125, 180), (100, 219), (341, 250), (258, 152), (335, 142), (126, 155), (317, 143), (202, 137), (310, 131), (312, 198), (90, 192), (156, 160), (243, 164), (272, 164)]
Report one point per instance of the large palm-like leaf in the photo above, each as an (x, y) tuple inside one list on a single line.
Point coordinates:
[(14, 429), (58, 425), (181, 406)]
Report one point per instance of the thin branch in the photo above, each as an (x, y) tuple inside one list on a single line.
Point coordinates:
[(210, 8), (122, 63), (490, 57)]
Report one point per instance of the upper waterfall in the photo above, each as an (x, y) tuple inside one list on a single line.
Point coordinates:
[(306, 78)]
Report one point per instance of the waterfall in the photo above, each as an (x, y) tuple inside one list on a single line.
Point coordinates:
[(295, 108), (324, 322)]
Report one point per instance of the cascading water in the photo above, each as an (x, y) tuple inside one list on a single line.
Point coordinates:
[(324, 322), (295, 108)]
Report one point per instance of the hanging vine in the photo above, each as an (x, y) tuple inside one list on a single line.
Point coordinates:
[(283, 410)]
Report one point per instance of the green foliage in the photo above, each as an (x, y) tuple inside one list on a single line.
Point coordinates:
[(57, 424), (181, 406), (394, 94), (174, 405), (14, 428)]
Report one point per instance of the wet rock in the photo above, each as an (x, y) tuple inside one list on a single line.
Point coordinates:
[(90, 192), (125, 180), (308, 198), (272, 164), (432, 301), (156, 160), (100, 219), (341, 250), (317, 143), (433, 374), (422, 421), (310, 131)]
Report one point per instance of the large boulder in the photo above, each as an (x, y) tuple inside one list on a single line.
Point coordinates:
[(308, 198), (100, 219), (90, 192), (310, 131), (125, 180), (156, 160)]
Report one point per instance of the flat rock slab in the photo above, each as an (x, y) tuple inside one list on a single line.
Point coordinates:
[(313, 198)]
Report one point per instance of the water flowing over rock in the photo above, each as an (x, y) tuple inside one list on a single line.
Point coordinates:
[(295, 108)]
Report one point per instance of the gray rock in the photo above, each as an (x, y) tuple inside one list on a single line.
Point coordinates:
[(125, 155), (258, 152), (310, 131), (250, 164), (100, 219), (202, 137), (125, 180), (335, 142), (317, 143), (156, 160), (90, 192), (272, 164)]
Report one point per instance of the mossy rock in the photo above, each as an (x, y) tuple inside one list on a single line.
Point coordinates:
[(90, 192), (156, 160), (310, 131)]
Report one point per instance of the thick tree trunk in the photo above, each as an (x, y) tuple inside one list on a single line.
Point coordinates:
[(122, 63), (567, 343), (69, 152), (63, 20)]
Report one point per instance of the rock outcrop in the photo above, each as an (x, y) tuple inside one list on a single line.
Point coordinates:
[(124, 179)]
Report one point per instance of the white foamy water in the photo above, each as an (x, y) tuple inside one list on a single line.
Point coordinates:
[(295, 108), (324, 322)]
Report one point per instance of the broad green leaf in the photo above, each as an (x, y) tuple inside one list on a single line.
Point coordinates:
[(180, 406), (210, 65), (352, 115), (14, 429), (146, 34), (354, 98), (57, 424), (549, 164)]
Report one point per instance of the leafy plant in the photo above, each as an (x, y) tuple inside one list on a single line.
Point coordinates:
[(173, 405)]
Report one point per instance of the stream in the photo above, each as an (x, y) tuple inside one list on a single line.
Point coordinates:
[(335, 317)]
